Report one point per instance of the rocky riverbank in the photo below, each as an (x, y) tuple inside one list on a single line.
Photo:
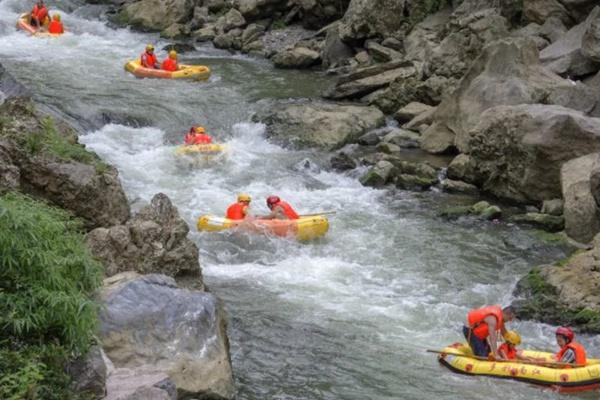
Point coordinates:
[(161, 335)]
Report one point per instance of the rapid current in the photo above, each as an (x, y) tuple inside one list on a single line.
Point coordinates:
[(347, 317)]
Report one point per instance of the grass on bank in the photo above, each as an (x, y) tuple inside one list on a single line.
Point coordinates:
[(47, 314)]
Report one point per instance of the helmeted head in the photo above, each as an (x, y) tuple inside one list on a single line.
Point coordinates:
[(564, 335), (40, 2), (56, 17), (149, 48), (199, 129), (508, 314), (512, 337), (272, 200), (173, 55), (244, 198)]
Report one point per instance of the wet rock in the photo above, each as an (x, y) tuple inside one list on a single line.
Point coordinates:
[(590, 42), (228, 41), (10, 87), (546, 222), (491, 213), (425, 118), (553, 207), (89, 373), (459, 187), (519, 150), (452, 213), (318, 124), (298, 57), (381, 53), (174, 31), (140, 384), (411, 111), (342, 162), (153, 241), (565, 57), (205, 34), (157, 15), (335, 50), (379, 175), (403, 138), (463, 167), (369, 139), (179, 47), (148, 322), (252, 33), (414, 182), (510, 69), (387, 148), (581, 213)]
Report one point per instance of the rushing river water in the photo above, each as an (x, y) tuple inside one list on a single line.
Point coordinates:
[(347, 317)]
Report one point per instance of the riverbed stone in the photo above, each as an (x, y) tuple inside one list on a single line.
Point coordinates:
[(157, 15), (553, 207), (140, 384), (148, 321), (298, 57), (582, 214), (546, 222), (411, 111), (342, 162), (459, 187), (378, 175), (403, 138), (318, 124)]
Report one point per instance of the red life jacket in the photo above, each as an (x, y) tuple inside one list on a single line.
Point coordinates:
[(509, 352), (236, 211), (477, 324), (56, 27), (148, 60), (287, 210), (169, 64), (202, 138), (39, 13), (580, 356)]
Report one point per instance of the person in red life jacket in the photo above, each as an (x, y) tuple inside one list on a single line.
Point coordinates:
[(570, 351), (197, 135), (240, 209), (170, 63), (39, 13), (482, 327), (280, 209), (56, 27), (508, 349), (148, 58)]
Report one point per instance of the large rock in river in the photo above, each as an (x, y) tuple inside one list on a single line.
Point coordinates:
[(508, 72), (319, 124), (153, 241), (156, 15), (582, 214), (519, 150), (147, 322)]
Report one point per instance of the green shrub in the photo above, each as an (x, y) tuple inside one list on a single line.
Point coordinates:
[(47, 314)]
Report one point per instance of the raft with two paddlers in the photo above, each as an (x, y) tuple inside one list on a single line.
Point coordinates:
[(24, 25), (459, 358), (193, 72), (305, 228)]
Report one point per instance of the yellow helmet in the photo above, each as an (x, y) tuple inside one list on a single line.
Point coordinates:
[(513, 338), (199, 129), (56, 17), (244, 197), (149, 48), (173, 54)]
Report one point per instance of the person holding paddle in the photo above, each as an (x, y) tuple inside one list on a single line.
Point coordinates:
[(482, 328)]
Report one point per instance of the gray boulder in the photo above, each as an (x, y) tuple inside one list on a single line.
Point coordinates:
[(463, 167), (153, 241), (381, 53), (318, 124), (232, 19), (459, 187), (157, 15), (10, 87), (140, 384), (298, 57), (582, 214), (403, 138), (540, 11), (335, 50), (590, 43), (519, 150), (411, 111), (553, 207), (546, 222), (379, 175), (147, 321), (371, 18)]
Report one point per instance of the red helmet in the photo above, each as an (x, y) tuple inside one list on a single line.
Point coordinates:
[(271, 200), (566, 332)]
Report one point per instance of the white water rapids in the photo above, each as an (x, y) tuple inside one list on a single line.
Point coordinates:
[(346, 317)]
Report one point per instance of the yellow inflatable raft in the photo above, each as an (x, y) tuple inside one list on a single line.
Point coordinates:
[(305, 228), (24, 25), (201, 155), (195, 72), (578, 379)]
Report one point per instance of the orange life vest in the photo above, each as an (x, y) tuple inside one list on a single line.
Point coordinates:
[(39, 13), (580, 356), (477, 324), (148, 60), (56, 27), (510, 352), (288, 210), (202, 138), (236, 211), (169, 64)]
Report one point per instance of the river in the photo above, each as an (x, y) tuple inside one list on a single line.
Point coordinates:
[(346, 317)]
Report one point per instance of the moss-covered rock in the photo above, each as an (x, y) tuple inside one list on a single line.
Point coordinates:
[(546, 222)]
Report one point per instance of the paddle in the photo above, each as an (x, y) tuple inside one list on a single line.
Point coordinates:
[(541, 363), (320, 213)]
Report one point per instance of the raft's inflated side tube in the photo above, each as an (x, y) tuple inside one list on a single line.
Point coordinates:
[(306, 228), (195, 72), (201, 149), (24, 25), (560, 379)]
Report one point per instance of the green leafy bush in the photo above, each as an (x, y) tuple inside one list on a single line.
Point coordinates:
[(47, 314)]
